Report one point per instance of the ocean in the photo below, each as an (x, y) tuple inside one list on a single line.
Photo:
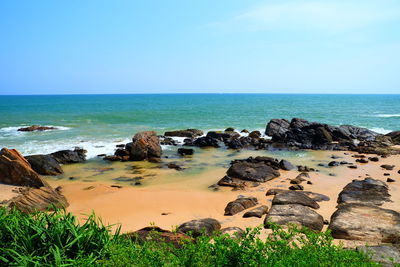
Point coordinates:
[(98, 122)]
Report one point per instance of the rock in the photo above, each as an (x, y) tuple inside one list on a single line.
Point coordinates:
[(244, 131), (239, 205), (16, 170), (352, 167), (294, 213), (277, 128), (367, 191), (333, 163), (258, 172), (232, 182), (309, 182), (305, 169), (386, 174), (255, 134), (390, 180), (44, 164), (374, 159), (145, 145), (191, 133), (293, 197), (70, 156), (387, 167), (36, 128), (185, 151), (256, 212), (366, 223), (364, 161), (174, 166), (233, 232), (383, 254), (197, 227), (112, 158), (314, 196), (38, 199), (206, 141), (286, 165), (395, 137), (157, 234), (229, 129), (296, 187)]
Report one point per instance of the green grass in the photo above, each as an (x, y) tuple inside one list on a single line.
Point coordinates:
[(56, 239)]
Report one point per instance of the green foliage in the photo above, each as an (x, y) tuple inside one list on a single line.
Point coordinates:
[(56, 239)]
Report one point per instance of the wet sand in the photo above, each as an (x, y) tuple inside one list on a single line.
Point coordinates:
[(168, 197)]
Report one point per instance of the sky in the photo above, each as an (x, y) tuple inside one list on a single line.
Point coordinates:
[(199, 46)]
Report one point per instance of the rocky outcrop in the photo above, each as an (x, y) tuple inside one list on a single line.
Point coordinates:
[(197, 227), (145, 145), (258, 172), (366, 223), (256, 212), (16, 170), (277, 128), (44, 164), (296, 214), (36, 128), (395, 137), (185, 151), (70, 156), (240, 204), (293, 197), (190, 133), (367, 191), (156, 234)]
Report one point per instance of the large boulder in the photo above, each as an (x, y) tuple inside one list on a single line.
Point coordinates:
[(44, 164), (145, 145), (258, 172), (367, 191), (256, 212), (314, 196), (190, 133), (16, 170), (366, 223), (36, 128), (277, 128), (395, 136), (70, 156), (197, 227), (294, 197), (206, 141), (239, 205), (296, 214)]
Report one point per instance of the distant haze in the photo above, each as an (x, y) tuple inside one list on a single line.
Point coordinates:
[(207, 46)]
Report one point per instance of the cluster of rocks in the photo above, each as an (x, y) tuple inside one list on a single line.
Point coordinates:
[(144, 146), (50, 164), (35, 193), (302, 134), (360, 217)]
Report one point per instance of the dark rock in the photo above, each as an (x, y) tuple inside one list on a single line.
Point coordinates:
[(112, 158), (344, 162), (145, 145), (197, 227), (309, 182), (294, 213), (206, 141), (286, 165), (185, 151), (167, 141), (375, 159), (174, 166), (101, 155), (258, 172), (232, 182), (256, 212), (255, 134), (367, 191), (387, 167), (294, 197), (16, 170), (390, 180), (335, 157), (36, 128), (124, 179), (244, 131), (352, 167), (332, 174), (362, 161), (70, 156), (333, 163), (305, 169), (386, 174), (121, 153), (239, 205), (229, 129), (384, 255), (296, 187), (277, 128), (395, 137), (120, 146), (191, 133), (366, 223), (44, 164)]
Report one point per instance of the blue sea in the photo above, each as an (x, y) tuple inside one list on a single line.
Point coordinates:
[(98, 122)]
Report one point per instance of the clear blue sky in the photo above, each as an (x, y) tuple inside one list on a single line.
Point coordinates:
[(202, 46)]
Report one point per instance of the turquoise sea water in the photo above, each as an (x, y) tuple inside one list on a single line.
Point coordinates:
[(98, 122)]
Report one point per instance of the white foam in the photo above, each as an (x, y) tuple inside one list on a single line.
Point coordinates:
[(380, 130), (387, 115), (13, 130)]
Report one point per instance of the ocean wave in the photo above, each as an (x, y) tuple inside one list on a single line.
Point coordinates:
[(380, 130), (387, 115)]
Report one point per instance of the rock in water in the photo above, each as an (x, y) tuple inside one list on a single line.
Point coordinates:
[(258, 172), (296, 214), (70, 156), (367, 191), (277, 128), (366, 223), (36, 128), (240, 204), (44, 164), (16, 170), (185, 151), (145, 145), (294, 197), (256, 212), (198, 227), (190, 133)]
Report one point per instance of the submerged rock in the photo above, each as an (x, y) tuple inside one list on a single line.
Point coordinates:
[(240, 204), (366, 223), (185, 151), (70, 156), (36, 128), (191, 133), (197, 227), (44, 164)]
